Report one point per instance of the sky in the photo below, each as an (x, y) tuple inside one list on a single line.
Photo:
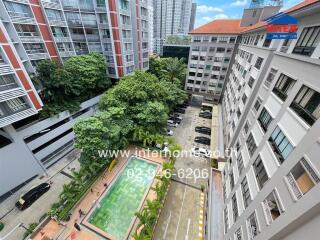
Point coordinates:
[(208, 10)]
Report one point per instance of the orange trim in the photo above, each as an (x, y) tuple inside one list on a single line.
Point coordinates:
[(23, 80), (34, 100), (11, 56), (2, 37)]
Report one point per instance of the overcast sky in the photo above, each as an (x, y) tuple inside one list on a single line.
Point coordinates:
[(209, 10)]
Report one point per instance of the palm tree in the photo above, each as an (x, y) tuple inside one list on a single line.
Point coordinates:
[(175, 69)]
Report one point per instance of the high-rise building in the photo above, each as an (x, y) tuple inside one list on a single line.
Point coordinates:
[(193, 16), (31, 31), (271, 111), (170, 18)]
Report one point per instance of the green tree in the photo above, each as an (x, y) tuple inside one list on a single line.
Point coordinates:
[(176, 70)]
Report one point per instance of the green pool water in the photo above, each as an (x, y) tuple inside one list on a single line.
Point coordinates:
[(117, 208)]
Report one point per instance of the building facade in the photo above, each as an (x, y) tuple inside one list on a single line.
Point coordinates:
[(193, 16), (210, 56), (33, 30), (170, 18), (271, 111)]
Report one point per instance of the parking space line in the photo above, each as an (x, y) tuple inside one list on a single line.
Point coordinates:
[(184, 196), (188, 226), (166, 229)]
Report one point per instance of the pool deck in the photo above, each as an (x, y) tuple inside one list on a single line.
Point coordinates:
[(53, 230)]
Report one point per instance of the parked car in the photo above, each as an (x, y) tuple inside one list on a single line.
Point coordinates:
[(167, 132), (171, 123), (205, 115), (175, 115), (183, 105), (202, 140), (180, 110), (177, 120), (201, 152), (204, 130), (27, 199)]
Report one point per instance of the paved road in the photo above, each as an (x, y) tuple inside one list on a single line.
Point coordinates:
[(179, 219), (14, 216)]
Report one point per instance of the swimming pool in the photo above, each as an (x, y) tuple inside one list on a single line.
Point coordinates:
[(116, 210)]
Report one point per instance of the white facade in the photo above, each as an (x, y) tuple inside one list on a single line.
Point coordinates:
[(170, 18), (271, 111)]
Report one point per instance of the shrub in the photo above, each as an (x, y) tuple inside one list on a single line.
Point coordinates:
[(1, 226), (31, 228)]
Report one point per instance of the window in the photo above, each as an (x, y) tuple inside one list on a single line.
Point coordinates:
[(224, 191), (302, 178), (4, 141), (238, 234), (251, 144), (280, 145), (212, 49), (234, 207), (265, 119), (251, 82), (272, 207), (283, 86), (245, 192), (17, 104), (231, 180), (226, 219), (285, 46), (196, 39), (232, 40), (238, 113), (270, 77), (7, 82), (220, 50), (267, 42), (244, 98), (307, 104), (257, 104), (246, 127), (308, 41), (258, 63), (240, 164), (214, 39), (260, 172), (253, 229)]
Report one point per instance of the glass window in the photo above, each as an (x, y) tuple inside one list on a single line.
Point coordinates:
[(253, 228), (283, 86), (265, 119), (258, 63), (260, 172), (245, 192), (280, 145), (272, 207), (270, 77), (251, 144), (308, 41), (234, 207), (307, 104)]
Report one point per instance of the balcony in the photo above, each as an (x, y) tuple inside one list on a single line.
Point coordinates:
[(93, 38), (24, 18), (30, 39), (68, 53), (74, 22), (57, 22), (280, 94), (82, 51), (106, 40), (126, 26), (62, 38), (10, 91), (14, 117), (36, 54), (103, 25), (90, 23), (303, 113), (305, 51), (69, 7), (124, 11), (86, 8), (101, 9), (5, 69), (21, 1), (95, 48), (78, 37), (51, 4)]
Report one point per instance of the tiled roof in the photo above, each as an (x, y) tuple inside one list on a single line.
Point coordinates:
[(232, 26), (220, 26)]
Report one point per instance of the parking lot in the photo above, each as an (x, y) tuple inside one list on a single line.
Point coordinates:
[(179, 219)]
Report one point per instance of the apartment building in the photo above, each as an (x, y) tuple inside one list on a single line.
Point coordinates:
[(193, 16), (33, 30), (170, 18), (210, 56), (271, 111)]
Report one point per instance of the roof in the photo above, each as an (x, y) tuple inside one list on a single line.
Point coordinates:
[(232, 26), (220, 26), (290, 10)]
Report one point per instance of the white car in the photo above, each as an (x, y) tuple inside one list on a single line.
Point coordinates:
[(169, 132), (200, 152), (171, 123)]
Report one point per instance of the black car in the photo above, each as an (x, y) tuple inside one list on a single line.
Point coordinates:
[(176, 115), (202, 140), (180, 110), (205, 115), (183, 105), (177, 120), (33, 195), (204, 130)]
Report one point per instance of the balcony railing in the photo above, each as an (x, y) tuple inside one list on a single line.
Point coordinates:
[(68, 53), (280, 94), (30, 39), (74, 22), (103, 25), (82, 51), (78, 37), (57, 22), (21, 17), (62, 38), (5, 69), (101, 9), (284, 49), (11, 118), (305, 115), (51, 4), (95, 48), (306, 51), (21, 1), (37, 54), (10, 91), (90, 23), (86, 8), (93, 38), (294, 187)]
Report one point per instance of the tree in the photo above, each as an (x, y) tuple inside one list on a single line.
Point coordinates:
[(176, 70)]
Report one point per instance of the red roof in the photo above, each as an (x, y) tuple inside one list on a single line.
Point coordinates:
[(220, 26), (232, 26)]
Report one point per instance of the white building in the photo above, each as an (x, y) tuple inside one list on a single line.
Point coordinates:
[(271, 111), (170, 18)]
